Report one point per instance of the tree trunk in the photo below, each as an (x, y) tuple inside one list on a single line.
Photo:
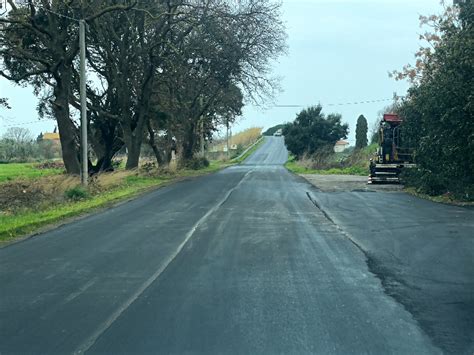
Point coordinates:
[(189, 143), (154, 147), (67, 130), (133, 148), (134, 138), (105, 143)]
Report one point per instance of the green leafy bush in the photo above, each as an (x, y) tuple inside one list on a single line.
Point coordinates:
[(76, 193), (312, 131), (439, 109), (197, 163)]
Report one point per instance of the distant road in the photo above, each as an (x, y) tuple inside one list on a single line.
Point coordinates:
[(237, 262)]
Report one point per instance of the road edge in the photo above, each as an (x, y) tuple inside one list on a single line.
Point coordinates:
[(47, 227)]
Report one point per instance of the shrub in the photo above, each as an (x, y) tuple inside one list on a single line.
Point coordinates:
[(50, 165), (439, 107), (238, 151), (148, 167), (312, 130), (197, 163), (76, 193)]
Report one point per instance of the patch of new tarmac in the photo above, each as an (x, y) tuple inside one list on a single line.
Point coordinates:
[(423, 252), (240, 261)]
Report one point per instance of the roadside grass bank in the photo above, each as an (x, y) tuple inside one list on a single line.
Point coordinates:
[(327, 162), (248, 152), (446, 198), (12, 171), (297, 167), (51, 199)]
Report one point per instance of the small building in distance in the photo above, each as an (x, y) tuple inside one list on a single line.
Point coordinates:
[(340, 146), (49, 145), (52, 137)]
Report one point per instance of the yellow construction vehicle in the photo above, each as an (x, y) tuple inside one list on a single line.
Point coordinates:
[(391, 156)]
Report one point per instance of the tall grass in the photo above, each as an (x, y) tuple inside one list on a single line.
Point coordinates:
[(327, 162), (247, 136), (242, 139)]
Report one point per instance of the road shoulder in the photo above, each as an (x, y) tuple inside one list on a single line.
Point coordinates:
[(423, 252)]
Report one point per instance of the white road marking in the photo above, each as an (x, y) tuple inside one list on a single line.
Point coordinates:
[(114, 316)]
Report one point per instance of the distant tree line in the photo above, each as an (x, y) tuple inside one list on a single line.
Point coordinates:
[(18, 145), (161, 73), (439, 108)]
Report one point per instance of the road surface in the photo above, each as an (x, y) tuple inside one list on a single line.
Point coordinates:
[(241, 261)]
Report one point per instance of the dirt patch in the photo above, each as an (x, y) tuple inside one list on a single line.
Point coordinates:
[(33, 194), (339, 183), (50, 165)]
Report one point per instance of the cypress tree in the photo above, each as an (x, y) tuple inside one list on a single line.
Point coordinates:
[(361, 132)]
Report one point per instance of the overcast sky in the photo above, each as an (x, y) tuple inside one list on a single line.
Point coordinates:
[(340, 51)]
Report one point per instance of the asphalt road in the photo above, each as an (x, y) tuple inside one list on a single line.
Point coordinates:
[(242, 261)]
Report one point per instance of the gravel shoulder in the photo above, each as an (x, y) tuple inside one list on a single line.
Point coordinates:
[(338, 183)]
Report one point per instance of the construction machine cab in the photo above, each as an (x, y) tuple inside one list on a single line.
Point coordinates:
[(391, 155)]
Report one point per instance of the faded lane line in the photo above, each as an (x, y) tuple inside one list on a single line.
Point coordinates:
[(109, 321), (81, 290)]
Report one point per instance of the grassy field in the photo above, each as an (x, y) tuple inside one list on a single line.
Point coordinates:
[(9, 172), (109, 188)]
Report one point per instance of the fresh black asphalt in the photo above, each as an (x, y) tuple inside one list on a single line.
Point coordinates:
[(241, 261), (422, 251)]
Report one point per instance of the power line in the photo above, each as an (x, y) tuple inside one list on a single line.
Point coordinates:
[(331, 104), (26, 123), (60, 15), (360, 102)]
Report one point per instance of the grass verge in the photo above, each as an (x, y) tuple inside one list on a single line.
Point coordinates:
[(249, 152), (25, 222), (446, 198), (293, 166)]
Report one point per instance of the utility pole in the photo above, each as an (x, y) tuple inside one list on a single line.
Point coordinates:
[(201, 106), (82, 46), (227, 136)]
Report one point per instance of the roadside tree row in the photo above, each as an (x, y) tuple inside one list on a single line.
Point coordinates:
[(162, 73)]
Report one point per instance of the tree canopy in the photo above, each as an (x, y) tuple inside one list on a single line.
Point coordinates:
[(174, 69), (439, 108), (313, 130)]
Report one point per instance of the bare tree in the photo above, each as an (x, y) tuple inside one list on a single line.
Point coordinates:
[(18, 135)]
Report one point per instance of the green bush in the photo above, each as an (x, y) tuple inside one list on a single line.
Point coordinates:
[(197, 163), (76, 193), (434, 184), (313, 131), (439, 108), (238, 151)]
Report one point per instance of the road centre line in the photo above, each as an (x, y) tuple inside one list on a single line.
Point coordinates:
[(115, 315)]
